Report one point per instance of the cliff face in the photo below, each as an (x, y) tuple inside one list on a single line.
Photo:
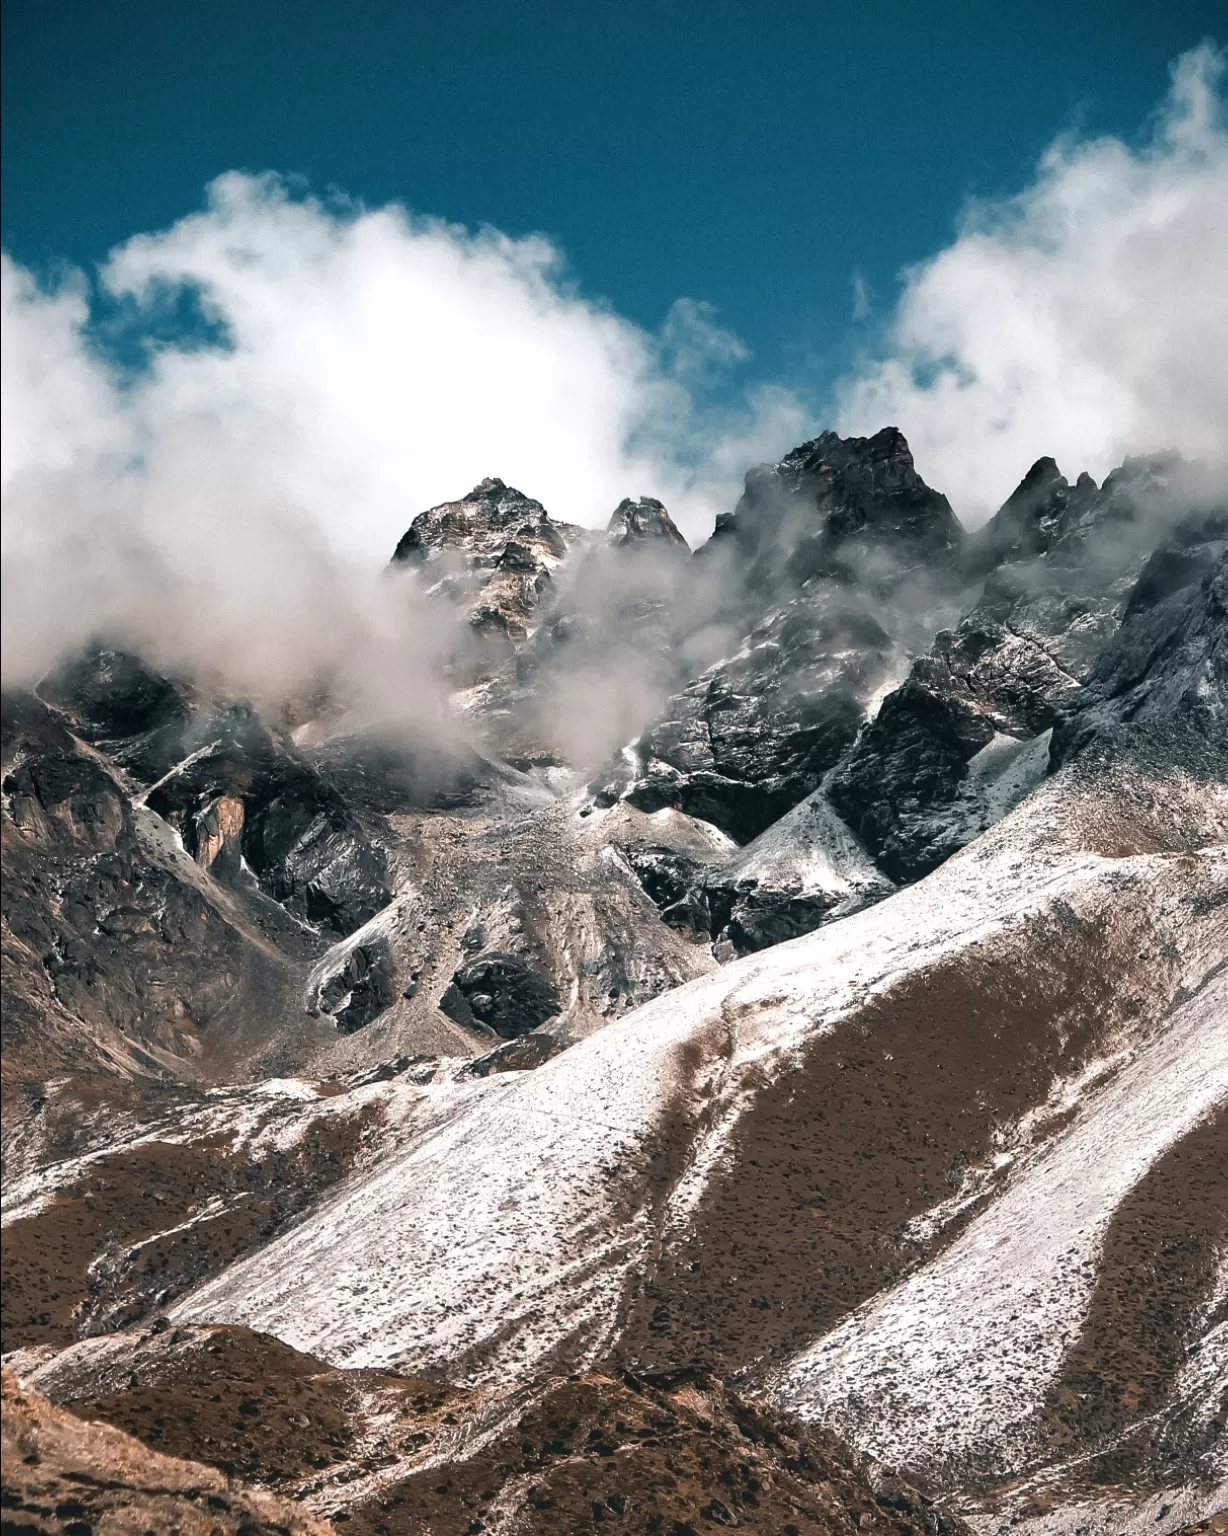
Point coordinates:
[(799, 973)]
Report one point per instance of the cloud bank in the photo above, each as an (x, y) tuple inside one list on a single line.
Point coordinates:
[(349, 369), (1086, 318), (229, 502)]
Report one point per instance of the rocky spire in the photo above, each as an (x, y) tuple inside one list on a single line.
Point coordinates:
[(643, 522)]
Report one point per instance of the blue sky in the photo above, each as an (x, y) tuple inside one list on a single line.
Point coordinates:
[(753, 156), (598, 251)]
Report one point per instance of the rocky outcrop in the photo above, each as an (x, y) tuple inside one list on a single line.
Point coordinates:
[(121, 705), (824, 553), (843, 508), (755, 734), (67, 1476), (964, 738), (503, 993), (120, 955), (1160, 686), (643, 522), (242, 798)]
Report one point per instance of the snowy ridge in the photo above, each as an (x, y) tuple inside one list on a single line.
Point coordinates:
[(957, 1357), (502, 1236), (273, 1115)]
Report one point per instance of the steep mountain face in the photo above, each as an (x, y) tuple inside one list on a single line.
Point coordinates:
[(840, 507), (764, 1066), (493, 552)]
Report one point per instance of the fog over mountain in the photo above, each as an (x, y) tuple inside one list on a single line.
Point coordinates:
[(579, 959)]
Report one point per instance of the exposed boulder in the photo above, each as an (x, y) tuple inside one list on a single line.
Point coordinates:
[(523, 1053), (359, 988), (503, 992)]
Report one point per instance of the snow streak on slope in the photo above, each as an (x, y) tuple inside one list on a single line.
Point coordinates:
[(810, 852), (503, 1234), (957, 1357)]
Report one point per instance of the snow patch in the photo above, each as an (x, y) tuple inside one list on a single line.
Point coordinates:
[(810, 852)]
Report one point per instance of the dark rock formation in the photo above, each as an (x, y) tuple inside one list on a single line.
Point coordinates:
[(912, 757), (845, 508), (521, 1054), (119, 704), (1031, 519), (115, 958), (750, 917), (503, 992), (1161, 684), (823, 567), (246, 792), (667, 876), (1036, 651), (361, 988)]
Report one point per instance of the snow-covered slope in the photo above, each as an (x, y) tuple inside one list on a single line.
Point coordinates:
[(542, 1218), (440, 1059), (949, 1370)]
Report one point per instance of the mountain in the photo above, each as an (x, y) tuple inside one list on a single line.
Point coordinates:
[(765, 1064)]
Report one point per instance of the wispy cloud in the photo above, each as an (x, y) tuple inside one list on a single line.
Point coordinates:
[(231, 500)]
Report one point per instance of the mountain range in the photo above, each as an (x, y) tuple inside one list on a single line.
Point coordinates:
[(757, 1058)]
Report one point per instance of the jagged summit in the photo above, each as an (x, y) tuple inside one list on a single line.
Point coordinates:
[(1032, 517), (493, 552), (643, 522), (834, 505), (477, 521), (489, 489)]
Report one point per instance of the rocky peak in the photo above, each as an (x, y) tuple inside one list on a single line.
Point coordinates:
[(1031, 518), (482, 523), (492, 552), (832, 503), (643, 522), (489, 489)]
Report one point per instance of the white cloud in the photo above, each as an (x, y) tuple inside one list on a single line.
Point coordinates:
[(376, 364), (1086, 318), (231, 503)]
